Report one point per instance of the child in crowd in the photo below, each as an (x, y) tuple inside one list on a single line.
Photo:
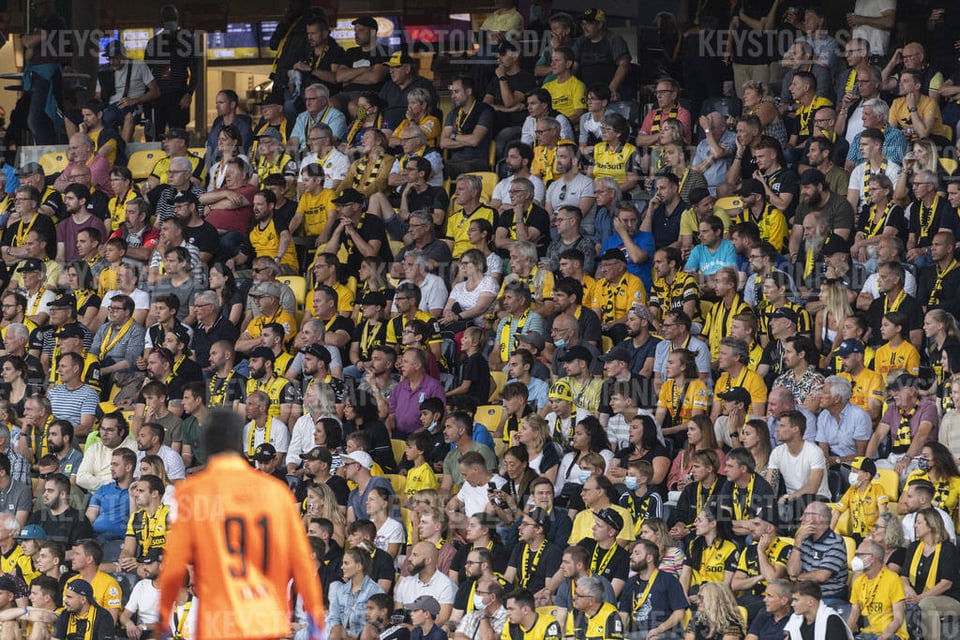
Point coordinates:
[(564, 416), (421, 475), (515, 407), (114, 252), (865, 500), (474, 368), (639, 499)]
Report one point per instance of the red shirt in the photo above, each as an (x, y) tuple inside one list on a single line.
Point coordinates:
[(239, 220)]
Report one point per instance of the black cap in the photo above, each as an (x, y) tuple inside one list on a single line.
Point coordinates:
[(30, 264), (317, 351), (785, 312), (186, 197), (506, 46), (610, 518), (751, 186), (736, 394), (262, 352), (176, 132), (399, 58), (698, 194), (833, 245), (577, 352), (862, 464), (264, 453), (318, 453), (66, 300), (29, 169), (349, 196), (541, 518), (71, 330), (613, 254), (375, 298), (593, 15), (272, 99), (365, 21), (617, 353)]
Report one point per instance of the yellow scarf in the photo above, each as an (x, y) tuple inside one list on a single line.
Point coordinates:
[(931, 571)]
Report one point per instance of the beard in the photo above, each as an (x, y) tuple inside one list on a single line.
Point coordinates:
[(415, 568), (56, 448)]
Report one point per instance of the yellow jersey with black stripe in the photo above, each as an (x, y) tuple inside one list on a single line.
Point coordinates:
[(709, 562), (719, 320), (397, 323), (545, 627), (316, 210), (613, 164), (266, 244), (672, 296), (754, 356), (458, 226), (544, 161), (605, 624), (772, 224), (276, 389), (614, 301), (149, 531)]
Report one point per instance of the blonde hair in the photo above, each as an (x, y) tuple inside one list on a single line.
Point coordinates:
[(719, 607), (835, 302), (328, 505), (429, 497), (539, 424), (158, 467)]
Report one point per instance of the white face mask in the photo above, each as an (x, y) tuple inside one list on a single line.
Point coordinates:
[(854, 479), (478, 604), (857, 564)]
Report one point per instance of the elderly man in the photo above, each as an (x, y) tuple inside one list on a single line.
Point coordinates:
[(843, 429), (211, 327), (175, 144), (416, 267), (820, 554), (421, 238), (667, 93), (912, 57), (230, 208), (518, 319), (80, 153), (413, 142), (526, 221), (177, 179), (414, 386), (402, 69), (712, 157), (910, 421), (877, 595), (316, 97)]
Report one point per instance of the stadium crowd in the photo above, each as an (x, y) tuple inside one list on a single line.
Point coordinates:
[(547, 364)]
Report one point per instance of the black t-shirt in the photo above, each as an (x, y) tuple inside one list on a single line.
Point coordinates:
[(396, 98), (476, 369), (610, 563), (522, 81), (479, 114), (205, 237), (665, 597), (357, 58), (895, 218), (536, 217), (501, 557), (836, 628), (431, 198), (67, 528), (534, 574), (16, 234), (782, 182), (875, 313), (946, 568), (370, 228), (943, 217)]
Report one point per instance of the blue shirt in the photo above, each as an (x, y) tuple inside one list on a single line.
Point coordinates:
[(645, 241), (894, 147), (333, 118), (358, 500), (114, 505), (840, 437), (537, 391), (349, 609), (481, 435), (708, 263)]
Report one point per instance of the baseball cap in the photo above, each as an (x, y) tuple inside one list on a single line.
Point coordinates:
[(186, 197), (850, 346), (71, 330), (540, 517), (65, 300), (697, 194), (317, 351), (362, 458), (176, 132), (736, 394), (81, 587), (833, 245), (613, 254), (425, 603), (114, 48), (561, 390), (533, 338), (399, 58), (577, 352), (750, 186), (349, 196), (271, 132), (262, 352), (785, 312), (861, 463), (593, 15), (375, 298), (30, 264), (365, 21), (506, 46), (264, 452), (642, 311), (32, 532), (272, 99), (617, 353), (30, 169), (610, 518), (318, 453), (265, 289)]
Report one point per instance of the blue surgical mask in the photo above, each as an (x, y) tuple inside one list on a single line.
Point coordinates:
[(583, 476), (560, 344), (478, 602), (631, 483)]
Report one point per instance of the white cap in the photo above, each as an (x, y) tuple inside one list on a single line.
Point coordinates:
[(360, 457)]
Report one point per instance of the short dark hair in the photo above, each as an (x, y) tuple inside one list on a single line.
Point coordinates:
[(223, 432)]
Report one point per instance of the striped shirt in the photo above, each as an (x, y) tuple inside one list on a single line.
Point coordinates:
[(826, 552)]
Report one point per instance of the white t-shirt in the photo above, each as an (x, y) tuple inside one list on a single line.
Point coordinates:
[(580, 187), (501, 192), (141, 299), (391, 532), (795, 470), (139, 79), (528, 133), (856, 176), (475, 499), (468, 299), (439, 586), (279, 436), (910, 523), (433, 292), (870, 286), (145, 601), (879, 39)]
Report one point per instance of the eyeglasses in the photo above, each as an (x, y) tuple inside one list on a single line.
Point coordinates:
[(114, 308), (540, 132), (661, 92), (259, 269)]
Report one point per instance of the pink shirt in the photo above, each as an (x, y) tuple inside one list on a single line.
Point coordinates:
[(238, 220)]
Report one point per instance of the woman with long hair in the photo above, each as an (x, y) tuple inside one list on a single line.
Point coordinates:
[(755, 438), (321, 502), (923, 156), (368, 174), (671, 555), (124, 189), (15, 373), (152, 465), (938, 466), (480, 235), (943, 342), (929, 573), (950, 422), (480, 533), (510, 501), (224, 283), (718, 616), (700, 436), (682, 396), (642, 444), (675, 161), (390, 533), (79, 279), (709, 553), (588, 437), (471, 297), (887, 531), (880, 217), (827, 333), (371, 278), (542, 453), (347, 616), (361, 414), (369, 117)]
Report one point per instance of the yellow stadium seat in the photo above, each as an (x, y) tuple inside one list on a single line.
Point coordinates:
[(743, 614), (398, 482), (492, 157), (489, 416), (53, 162), (499, 382), (949, 165), (299, 286), (200, 151), (141, 163), (395, 247), (399, 449), (851, 548), (890, 481), (549, 610), (489, 179), (606, 343), (843, 523)]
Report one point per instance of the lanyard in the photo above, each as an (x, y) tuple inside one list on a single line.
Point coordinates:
[(932, 210), (21, 236), (599, 569), (896, 301), (876, 223), (218, 392), (867, 173), (253, 433)]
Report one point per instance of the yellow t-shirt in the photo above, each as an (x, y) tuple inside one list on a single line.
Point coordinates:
[(567, 97), (284, 317), (690, 223), (543, 165), (612, 164), (696, 397), (868, 385), (429, 125), (421, 477), (864, 506), (540, 284), (901, 118), (266, 243), (316, 210), (346, 294), (946, 493), (772, 224), (876, 599), (583, 525), (107, 281), (458, 226), (749, 380), (905, 356), (106, 590), (614, 301)]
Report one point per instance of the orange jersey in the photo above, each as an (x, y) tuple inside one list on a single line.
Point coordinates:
[(241, 531)]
